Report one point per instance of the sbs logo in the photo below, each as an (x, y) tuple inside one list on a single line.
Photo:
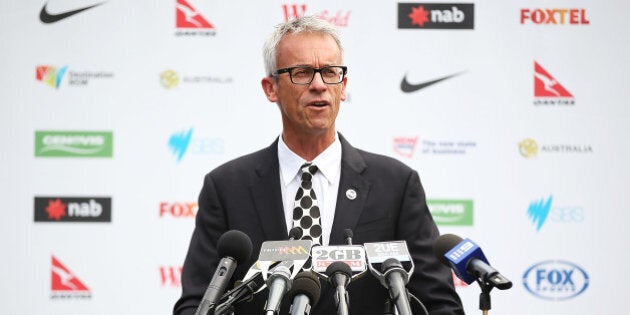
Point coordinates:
[(555, 280)]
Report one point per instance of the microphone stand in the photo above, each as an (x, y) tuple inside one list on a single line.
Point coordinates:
[(484, 297)]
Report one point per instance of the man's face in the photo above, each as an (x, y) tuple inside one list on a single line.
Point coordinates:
[(307, 110)]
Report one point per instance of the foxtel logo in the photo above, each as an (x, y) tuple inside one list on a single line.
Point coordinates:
[(178, 209), (73, 209), (436, 16), (547, 87), (451, 212), (554, 16), (64, 284)]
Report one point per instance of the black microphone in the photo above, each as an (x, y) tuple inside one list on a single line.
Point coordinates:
[(397, 278), (468, 261), (234, 246), (339, 274), (305, 293), (347, 235)]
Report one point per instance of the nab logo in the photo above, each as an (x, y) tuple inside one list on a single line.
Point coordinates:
[(539, 211), (555, 280), (554, 16), (436, 16), (189, 21), (50, 75), (64, 284), (73, 209), (170, 276), (548, 90), (179, 209), (405, 146)]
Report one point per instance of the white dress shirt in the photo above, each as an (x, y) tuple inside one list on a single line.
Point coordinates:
[(325, 183)]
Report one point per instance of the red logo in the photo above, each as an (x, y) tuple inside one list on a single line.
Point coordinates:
[(292, 11), (56, 209), (405, 146), (189, 17), (419, 16), (546, 85), (170, 276), (63, 283), (178, 209), (555, 16)]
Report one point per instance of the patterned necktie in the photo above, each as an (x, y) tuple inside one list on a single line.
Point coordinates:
[(306, 212)]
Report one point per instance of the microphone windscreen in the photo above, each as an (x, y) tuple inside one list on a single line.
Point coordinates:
[(338, 266), (307, 283), (389, 264), (235, 244), (443, 244)]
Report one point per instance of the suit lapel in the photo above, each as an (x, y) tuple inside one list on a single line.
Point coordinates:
[(268, 196), (352, 194)]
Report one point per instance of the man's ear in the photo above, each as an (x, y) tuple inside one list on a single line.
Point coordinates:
[(269, 86), (343, 88)]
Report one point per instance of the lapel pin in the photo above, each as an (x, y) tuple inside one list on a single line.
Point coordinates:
[(351, 194)]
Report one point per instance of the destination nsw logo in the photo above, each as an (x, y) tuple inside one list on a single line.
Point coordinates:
[(555, 280), (73, 209), (451, 211), (64, 284), (436, 16), (53, 76), (73, 143)]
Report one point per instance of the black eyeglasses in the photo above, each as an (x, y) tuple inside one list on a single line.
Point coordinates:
[(304, 75)]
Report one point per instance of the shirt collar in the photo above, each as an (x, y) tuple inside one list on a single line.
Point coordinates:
[(328, 162)]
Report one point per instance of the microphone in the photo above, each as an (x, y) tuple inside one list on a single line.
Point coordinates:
[(468, 261), (252, 283), (279, 283), (347, 235), (305, 293), (397, 278), (392, 275), (339, 275), (234, 246)]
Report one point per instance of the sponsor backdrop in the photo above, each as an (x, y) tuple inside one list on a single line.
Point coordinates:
[(513, 112)]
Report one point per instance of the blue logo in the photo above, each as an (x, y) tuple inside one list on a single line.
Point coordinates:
[(178, 142), (555, 280), (539, 210)]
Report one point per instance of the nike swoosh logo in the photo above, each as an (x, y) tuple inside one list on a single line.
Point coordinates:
[(407, 87), (48, 18)]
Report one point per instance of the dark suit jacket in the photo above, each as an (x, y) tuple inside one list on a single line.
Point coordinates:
[(244, 194)]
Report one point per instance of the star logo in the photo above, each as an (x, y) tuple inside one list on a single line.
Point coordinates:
[(56, 209), (419, 16)]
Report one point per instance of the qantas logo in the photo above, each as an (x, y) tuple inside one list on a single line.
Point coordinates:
[(546, 85), (407, 87), (64, 284), (189, 22), (47, 17)]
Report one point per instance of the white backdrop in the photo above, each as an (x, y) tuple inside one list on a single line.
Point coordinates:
[(461, 134)]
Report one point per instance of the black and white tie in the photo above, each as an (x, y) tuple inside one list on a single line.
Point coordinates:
[(306, 213)]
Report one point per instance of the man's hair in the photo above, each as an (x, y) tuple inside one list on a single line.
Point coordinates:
[(303, 24)]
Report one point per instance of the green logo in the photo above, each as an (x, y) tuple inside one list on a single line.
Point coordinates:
[(73, 143), (451, 212)]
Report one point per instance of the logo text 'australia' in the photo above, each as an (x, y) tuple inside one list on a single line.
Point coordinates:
[(436, 16)]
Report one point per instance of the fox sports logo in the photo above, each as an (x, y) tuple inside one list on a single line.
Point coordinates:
[(555, 280)]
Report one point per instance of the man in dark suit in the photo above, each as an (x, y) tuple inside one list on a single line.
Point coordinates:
[(380, 199)]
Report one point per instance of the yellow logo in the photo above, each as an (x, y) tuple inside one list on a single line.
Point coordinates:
[(169, 79), (528, 148)]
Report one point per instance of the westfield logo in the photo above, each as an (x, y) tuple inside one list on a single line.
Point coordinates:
[(47, 17)]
